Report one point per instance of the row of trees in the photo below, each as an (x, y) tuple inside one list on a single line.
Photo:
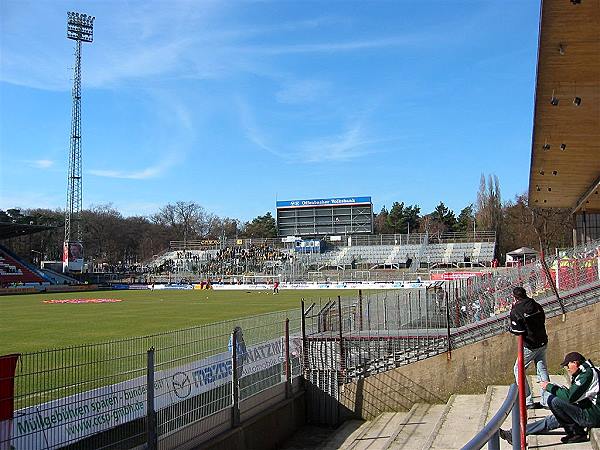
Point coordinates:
[(110, 237), (516, 223), (401, 219)]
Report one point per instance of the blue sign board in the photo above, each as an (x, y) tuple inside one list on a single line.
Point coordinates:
[(309, 246), (323, 202)]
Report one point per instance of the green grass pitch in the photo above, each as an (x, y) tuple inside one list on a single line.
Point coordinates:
[(27, 324)]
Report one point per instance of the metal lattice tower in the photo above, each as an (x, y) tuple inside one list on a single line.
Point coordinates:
[(80, 28)]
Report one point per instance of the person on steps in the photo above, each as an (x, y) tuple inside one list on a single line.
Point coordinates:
[(527, 319), (574, 408)]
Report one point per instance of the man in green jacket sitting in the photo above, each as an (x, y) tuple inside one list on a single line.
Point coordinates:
[(574, 408)]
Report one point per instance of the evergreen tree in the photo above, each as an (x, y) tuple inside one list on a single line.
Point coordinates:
[(261, 226), (380, 225), (403, 219), (445, 217), (466, 219)]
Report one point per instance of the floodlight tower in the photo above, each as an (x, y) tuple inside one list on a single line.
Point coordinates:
[(80, 28)]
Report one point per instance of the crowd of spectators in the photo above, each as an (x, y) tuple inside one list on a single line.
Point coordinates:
[(188, 256), (238, 260), (234, 260), (120, 268)]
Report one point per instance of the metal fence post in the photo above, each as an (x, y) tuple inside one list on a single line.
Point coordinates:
[(342, 373), (456, 299), (342, 358), (521, 383), (151, 434), (304, 342), (288, 368), (449, 337), (235, 388), (360, 310)]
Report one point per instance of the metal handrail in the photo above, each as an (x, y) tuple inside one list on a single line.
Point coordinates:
[(489, 434)]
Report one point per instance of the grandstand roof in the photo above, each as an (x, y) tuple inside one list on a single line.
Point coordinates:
[(565, 155), (9, 229)]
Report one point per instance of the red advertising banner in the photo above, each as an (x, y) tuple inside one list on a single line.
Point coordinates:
[(454, 275), (8, 366)]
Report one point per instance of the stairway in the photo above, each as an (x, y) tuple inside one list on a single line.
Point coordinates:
[(442, 427)]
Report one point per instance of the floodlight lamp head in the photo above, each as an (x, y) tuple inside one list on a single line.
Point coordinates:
[(80, 27)]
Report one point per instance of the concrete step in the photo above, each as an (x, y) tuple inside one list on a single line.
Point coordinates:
[(343, 436), (496, 396), (418, 426), (375, 434), (446, 427), (548, 440), (458, 423)]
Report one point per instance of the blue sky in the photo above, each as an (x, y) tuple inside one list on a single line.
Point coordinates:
[(234, 104)]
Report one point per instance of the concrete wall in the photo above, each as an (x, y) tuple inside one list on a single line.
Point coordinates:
[(470, 369), (268, 430)]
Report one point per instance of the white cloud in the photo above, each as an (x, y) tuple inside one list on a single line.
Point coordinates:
[(253, 132), (345, 146), (330, 47), (149, 172), (41, 163)]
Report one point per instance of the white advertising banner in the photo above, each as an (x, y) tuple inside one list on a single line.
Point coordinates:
[(70, 419), (331, 285)]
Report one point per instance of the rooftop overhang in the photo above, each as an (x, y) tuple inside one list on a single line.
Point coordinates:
[(10, 230), (565, 155)]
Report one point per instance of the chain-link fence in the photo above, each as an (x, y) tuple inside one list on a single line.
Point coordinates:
[(125, 393)]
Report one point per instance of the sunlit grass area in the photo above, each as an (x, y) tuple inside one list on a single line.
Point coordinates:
[(28, 324)]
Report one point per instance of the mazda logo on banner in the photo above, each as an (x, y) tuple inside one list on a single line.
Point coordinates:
[(182, 385)]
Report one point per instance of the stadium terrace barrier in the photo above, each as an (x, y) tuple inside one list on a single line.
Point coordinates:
[(18, 290), (102, 395), (48, 288), (349, 339)]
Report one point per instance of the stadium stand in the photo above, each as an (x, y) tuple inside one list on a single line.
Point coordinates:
[(455, 254), (406, 256), (217, 259), (227, 260), (12, 270)]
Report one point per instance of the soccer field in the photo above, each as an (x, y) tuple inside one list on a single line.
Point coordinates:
[(28, 324)]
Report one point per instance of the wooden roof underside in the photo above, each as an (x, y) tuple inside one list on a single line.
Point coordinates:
[(565, 156)]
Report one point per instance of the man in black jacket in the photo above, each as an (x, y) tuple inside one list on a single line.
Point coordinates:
[(527, 319)]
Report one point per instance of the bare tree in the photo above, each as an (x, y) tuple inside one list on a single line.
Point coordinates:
[(188, 220), (488, 215)]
